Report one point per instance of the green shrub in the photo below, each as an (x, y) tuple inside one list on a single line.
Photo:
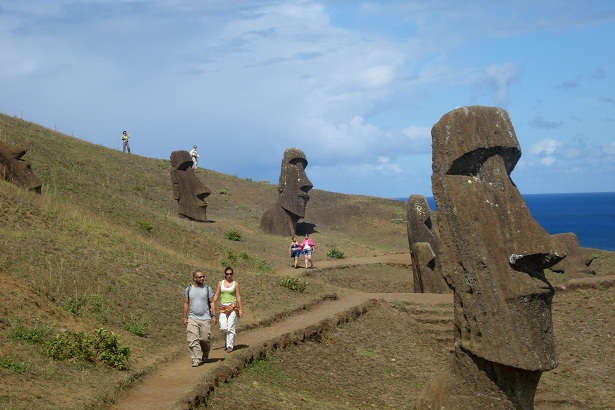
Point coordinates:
[(146, 226), (74, 305), (13, 366), (398, 220), (136, 327), (233, 235), (36, 334), (335, 253), (294, 284), (99, 345)]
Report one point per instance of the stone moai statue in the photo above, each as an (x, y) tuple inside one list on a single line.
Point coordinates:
[(493, 255), (16, 170), (576, 263), (424, 247), (293, 188), (188, 190)]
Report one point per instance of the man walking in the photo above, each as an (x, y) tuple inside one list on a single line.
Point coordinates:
[(198, 314), (125, 144)]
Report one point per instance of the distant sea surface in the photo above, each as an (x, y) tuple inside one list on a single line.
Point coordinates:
[(591, 216)]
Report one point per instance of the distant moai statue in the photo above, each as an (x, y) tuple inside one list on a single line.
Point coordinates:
[(577, 261), (493, 255), (293, 188), (188, 190), (424, 247), (16, 170)]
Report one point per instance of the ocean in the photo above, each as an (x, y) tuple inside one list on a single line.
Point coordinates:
[(591, 216)]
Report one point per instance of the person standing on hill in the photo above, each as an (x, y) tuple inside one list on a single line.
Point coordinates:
[(294, 250), (307, 246), (125, 144), (230, 307), (198, 315), (195, 157)]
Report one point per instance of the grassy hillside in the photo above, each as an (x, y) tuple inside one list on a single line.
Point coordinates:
[(103, 247)]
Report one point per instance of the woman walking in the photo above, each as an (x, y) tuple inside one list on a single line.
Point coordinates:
[(230, 307), (294, 250), (307, 247)]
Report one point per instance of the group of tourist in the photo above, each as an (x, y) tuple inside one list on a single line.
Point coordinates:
[(194, 154), (305, 248), (201, 304)]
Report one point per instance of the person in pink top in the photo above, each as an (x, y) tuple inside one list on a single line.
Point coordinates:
[(307, 246)]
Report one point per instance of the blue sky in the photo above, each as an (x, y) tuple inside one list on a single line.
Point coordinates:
[(356, 85)]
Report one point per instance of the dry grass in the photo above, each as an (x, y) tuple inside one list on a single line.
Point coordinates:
[(103, 246), (385, 358)]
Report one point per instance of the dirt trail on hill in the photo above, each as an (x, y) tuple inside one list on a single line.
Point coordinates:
[(173, 383), (177, 385)]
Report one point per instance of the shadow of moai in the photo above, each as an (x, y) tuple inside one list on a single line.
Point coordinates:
[(188, 190), (16, 170), (293, 188), (493, 255), (424, 247)]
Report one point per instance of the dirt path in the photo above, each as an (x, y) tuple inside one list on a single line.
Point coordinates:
[(176, 380), (175, 384)]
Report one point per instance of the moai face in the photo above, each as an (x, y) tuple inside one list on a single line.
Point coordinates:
[(14, 169), (294, 184), (188, 190), (493, 251)]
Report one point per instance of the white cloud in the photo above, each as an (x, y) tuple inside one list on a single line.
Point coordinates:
[(546, 147), (548, 160)]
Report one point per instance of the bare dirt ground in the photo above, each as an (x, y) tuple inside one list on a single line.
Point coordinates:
[(306, 341)]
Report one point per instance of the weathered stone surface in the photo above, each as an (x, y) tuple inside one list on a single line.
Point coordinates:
[(188, 190), (578, 259), (16, 170), (424, 247), (293, 188), (493, 255)]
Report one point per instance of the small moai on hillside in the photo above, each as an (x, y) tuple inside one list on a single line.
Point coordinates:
[(16, 170), (576, 263), (493, 255), (293, 188), (424, 247), (188, 190)]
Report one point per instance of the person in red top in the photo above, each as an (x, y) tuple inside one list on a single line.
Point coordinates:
[(307, 247)]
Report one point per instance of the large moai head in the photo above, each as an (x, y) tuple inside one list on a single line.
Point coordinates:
[(493, 252), (188, 190), (424, 247), (16, 170), (294, 184)]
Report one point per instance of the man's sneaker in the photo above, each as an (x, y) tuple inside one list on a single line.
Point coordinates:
[(196, 363), (229, 349)]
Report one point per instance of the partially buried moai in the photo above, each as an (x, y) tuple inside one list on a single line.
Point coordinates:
[(16, 170), (188, 190), (293, 188), (492, 254), (424, 247)]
